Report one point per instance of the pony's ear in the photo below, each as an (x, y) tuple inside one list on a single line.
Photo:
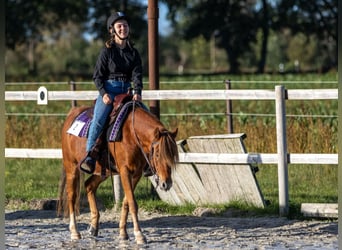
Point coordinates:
[(158, 133), (174, 133)]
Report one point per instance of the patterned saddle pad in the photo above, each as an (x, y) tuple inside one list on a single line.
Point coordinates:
[(81, 124)]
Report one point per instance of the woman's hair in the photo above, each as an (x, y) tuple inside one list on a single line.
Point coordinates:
[(109, 42)]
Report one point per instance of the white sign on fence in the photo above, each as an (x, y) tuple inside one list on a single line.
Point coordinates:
[(42, 96)]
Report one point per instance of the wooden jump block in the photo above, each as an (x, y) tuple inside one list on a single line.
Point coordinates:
[(225, 182), (213, 183), (187, 186), (321, 210)]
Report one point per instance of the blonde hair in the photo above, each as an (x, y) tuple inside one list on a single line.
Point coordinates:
[(109, 42)]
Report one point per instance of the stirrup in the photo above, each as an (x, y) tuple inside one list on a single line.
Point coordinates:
[(88, 165)]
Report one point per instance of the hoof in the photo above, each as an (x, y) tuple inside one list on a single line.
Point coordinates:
[(75, 236), (123, 238), (93, 231), (140, 238), (141, 241)]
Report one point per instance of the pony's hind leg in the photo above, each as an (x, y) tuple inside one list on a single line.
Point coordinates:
[(72, 184), (91, 186)]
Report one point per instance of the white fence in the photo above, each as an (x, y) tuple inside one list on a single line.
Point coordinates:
[(294, 94), (218, 158), (282, 158)]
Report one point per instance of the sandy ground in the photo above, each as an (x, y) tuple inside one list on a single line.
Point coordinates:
[(42, 229)]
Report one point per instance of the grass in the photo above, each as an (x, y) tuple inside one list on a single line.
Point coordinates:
[(28, 179)]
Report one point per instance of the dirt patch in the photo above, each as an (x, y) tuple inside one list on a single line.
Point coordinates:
[(40, 228)]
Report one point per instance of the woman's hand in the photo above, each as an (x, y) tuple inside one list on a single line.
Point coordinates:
[(137, 97), (106, 99)]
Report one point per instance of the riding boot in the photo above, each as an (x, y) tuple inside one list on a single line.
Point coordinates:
[(89, 162)]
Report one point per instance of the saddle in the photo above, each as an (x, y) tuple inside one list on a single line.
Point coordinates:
[(119, 101)]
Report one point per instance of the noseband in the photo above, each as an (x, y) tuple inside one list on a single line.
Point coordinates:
[(151, 155), (150, 162)]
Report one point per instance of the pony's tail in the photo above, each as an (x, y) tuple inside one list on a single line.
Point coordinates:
[(62, 203), (61, 194)]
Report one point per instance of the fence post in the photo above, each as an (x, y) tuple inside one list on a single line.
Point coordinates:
[(73, 88), (282, 151), (229, 110), (118, 193)]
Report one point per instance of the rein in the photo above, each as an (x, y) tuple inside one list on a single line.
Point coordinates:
[(148, 159)]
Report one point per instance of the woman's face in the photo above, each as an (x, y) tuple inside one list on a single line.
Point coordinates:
[(121, 28)]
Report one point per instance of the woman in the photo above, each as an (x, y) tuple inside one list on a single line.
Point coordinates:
[(117, 66)]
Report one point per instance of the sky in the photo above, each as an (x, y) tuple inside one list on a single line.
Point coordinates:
[(163, 23)]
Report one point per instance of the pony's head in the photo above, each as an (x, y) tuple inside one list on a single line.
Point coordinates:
[(164, 156)]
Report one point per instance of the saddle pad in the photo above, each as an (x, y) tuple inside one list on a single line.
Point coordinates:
[(114, 131), (81, 124)]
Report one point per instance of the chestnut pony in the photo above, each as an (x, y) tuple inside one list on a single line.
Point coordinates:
[(144, 141)]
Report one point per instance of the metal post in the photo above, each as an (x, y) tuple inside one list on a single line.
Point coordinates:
[(118, 193), (153, 63), (229, 110), (282, 151), (73, 88)]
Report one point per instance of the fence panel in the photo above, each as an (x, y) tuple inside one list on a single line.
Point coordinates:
[(279, 95)]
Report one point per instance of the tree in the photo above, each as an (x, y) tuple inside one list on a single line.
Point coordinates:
[(33, 25), (231, 23), (264, 21), (238, 22), (317, 18), (27, 20)]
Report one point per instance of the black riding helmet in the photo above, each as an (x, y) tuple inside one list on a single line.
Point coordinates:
[(115, 17)]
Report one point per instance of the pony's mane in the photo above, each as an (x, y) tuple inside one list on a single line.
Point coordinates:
[(168, 151)]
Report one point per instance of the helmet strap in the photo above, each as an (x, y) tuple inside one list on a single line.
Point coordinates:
[(119, 36)]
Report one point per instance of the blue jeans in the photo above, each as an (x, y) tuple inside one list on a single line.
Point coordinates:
[(102, 110)]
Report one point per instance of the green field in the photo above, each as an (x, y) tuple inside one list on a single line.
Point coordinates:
[(311, 128)]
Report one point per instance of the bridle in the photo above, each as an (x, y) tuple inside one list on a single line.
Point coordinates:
[(149, 159)]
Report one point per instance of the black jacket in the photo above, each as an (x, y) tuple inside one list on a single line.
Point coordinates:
[(115, 61)]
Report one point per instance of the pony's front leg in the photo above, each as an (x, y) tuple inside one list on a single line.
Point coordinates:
[(126, 206), (129, 204), (139, 236), (91, 185), (123, 220)]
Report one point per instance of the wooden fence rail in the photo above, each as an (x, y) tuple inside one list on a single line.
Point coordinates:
[(215, 158), (297, 94), (279, 95)]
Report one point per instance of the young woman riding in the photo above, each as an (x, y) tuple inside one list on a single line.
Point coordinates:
[(118, 65)]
